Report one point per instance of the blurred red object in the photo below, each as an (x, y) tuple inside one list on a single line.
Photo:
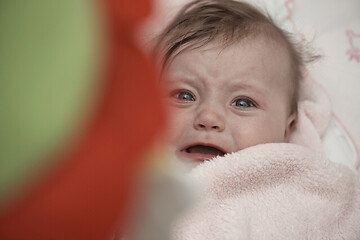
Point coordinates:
[(88, 195)]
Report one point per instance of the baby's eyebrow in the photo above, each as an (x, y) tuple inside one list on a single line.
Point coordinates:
[(176, 78), (254, 91), (246, 86)]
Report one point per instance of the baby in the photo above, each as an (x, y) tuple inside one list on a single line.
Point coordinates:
[(232, 79), (232, 82)]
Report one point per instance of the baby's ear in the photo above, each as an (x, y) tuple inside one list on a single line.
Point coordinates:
[(290, 126)]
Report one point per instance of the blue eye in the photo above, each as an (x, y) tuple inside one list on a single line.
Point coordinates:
[(185, 96), (243, 103)]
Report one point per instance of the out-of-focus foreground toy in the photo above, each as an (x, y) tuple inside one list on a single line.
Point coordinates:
[(79, 108)]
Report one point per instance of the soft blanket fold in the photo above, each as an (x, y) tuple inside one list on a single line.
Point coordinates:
[(273, 191)]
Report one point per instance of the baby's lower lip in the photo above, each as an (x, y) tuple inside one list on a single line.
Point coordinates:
[(195, 156)]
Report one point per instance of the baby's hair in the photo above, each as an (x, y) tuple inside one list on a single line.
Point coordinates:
[(203, 21)]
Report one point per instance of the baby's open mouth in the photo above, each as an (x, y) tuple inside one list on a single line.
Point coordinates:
[(206, 150)]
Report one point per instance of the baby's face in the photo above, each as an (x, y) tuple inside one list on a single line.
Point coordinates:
[(223, 100)]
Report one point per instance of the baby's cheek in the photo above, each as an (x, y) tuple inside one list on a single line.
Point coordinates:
[(259, 130), (276, 130), (176, 126)]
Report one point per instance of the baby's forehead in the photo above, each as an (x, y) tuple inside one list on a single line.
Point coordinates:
[(221, 42), (255, 58), (259, 44)]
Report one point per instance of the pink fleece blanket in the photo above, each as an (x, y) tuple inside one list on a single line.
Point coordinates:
[(273, 191), (277, 191)]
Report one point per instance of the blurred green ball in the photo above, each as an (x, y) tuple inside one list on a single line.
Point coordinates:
[(49, 58)]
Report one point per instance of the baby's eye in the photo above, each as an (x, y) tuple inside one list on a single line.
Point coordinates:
[(243, 103), (184, 95)]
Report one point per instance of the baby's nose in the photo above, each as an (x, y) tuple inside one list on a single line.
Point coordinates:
[(209, 120)]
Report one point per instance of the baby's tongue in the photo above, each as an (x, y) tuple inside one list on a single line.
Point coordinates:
[(205, 150)]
